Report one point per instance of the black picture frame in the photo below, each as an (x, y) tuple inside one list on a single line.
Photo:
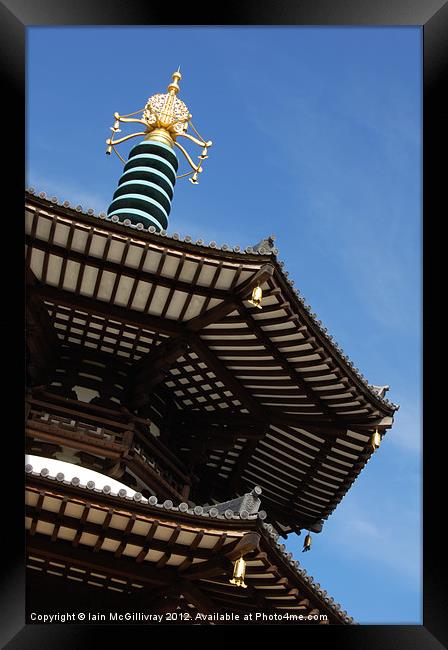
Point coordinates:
[(432, 17)]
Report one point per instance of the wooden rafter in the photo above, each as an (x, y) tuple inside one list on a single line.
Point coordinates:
[(228, 379), (42, 342), (283, 362), (113, 312), (152, 368), (196, 596), (115, 534), (202, 426), (78, 556), (103, 264)]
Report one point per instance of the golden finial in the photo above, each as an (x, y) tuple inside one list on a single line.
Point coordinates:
[(174, 86), (165, 118)]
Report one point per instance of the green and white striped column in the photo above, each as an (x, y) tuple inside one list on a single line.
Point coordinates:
[(145, 189)]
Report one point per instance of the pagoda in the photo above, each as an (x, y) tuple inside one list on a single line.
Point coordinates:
[(213, 409)]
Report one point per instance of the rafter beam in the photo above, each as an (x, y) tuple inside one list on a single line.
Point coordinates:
[(196, 597), (226, 377), (315, 424), (120, 567), (115, 534), (41, 338), (199, 419), (230, 303), (105, 309), (211, 568), (248, 543), (284, 363), (221, 563), (120, 270), (153, 368), (221, 427)]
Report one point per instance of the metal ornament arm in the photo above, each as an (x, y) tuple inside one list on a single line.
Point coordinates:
[(165, 118), (115, 129), (203, 156), (196, 168)]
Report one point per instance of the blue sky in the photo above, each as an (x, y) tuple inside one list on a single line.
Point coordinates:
[(316, 139)]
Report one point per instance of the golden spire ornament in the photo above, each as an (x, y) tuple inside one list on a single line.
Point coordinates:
[(165, 118), (239, 571)]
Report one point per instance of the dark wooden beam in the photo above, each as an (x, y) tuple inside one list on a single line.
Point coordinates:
[(121, 270), (44, 592), (165, 604), (226, 377), (221, 429), (209, 569), (235, 477), (196, 597), (152, 478), (116, 534), (80, 410), (101, 562), (160, 358), (105, 309), (312, 423), (248, 543), (153, 368), (202, 418), (284, 363), (312, 470), (230, 303), (41, 339), (221, 562), (74, 440)]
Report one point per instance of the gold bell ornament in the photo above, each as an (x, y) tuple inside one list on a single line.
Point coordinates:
[(375, 440), (257, 295), (306, 543), (239, 571)]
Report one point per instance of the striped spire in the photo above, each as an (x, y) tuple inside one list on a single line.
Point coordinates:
[(145, 188)]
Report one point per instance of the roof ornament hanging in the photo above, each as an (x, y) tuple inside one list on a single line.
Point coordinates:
[(165, 118), (239, 573), (375, 440), (307, 543)]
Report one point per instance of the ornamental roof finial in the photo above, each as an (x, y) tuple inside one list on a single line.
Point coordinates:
[(165, 118), (174, 86)]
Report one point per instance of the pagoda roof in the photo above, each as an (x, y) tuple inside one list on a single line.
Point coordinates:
[(145, 547), (175, 314)]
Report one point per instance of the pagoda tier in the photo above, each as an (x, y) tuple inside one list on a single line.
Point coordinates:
[(115, 552), (160, 334)]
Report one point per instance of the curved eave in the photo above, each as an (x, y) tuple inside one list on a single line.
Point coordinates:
[(276, 365), (49, 499), (235, 254), (327, 342)]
